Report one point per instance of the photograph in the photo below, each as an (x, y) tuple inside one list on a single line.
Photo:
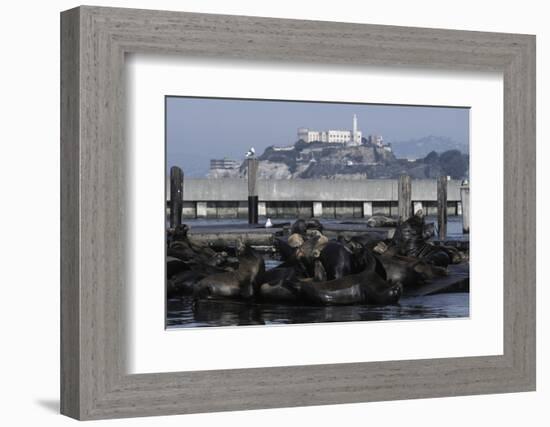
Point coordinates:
[(296, 212)]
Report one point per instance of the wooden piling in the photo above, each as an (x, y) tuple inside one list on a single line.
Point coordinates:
[(176, 196), (442, 207), (252, 191), (465, 204), (404, 197)]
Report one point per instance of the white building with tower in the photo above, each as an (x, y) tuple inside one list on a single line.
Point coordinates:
[(347, 137)]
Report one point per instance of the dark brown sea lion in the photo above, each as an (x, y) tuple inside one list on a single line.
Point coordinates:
[(314, 224), (365, 287), (336, 259), (186, 250), (183, 283), (410, 239), (368, 286), (286, 251), (234, 284), (381, 221), (319, 272), (276, 285), (366, 240), (299, 227), (454, 254), (409, 271), (401, 272), (174, 266)]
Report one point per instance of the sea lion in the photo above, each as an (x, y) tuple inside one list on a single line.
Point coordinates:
[(183, 283), (362, 255), (429, 271), (186, 281), (314, 224), (410, 239), (276, 285), (319, 272), (401, 272), (381, 221), (299, 227), (336, 260), (455, 256), (321, 238), (233, 284), (186, 250), (287, 252), (429, 231), (174, 266), (309, 252), (180, 232), (365, 287), (295, 240), (409, 271), (367, 240)]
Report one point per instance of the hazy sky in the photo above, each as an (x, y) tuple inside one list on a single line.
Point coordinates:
[(200, 129)]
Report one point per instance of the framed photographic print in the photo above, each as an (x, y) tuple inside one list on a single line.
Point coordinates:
[(262, 213)]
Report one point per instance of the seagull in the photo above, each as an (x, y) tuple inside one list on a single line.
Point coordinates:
[(268, 223), (251, 152)]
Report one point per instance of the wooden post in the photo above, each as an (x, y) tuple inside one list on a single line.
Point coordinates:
[(465, 203), (442, 207), (252, 191), (176, 196), (404, 197)]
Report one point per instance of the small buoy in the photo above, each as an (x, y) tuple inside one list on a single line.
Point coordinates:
[(268, 223)]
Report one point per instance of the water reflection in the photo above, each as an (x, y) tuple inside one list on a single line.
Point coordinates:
[(184, 313)]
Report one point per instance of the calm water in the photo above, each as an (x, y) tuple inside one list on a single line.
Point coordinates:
[(183, 313)]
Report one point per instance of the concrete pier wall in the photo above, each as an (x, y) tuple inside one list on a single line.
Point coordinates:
[(324, 198), (232, 189)]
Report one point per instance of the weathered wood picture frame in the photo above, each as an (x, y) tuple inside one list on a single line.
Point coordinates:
[(94, 382)]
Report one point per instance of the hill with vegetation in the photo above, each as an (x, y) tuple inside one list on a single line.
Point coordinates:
[(336, 161)]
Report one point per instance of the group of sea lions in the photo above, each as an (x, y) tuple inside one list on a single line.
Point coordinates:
[(315, 270)]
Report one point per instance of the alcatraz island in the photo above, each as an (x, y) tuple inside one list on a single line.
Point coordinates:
[(349, 155)]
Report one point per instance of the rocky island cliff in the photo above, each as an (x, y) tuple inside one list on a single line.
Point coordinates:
[(337, 161)]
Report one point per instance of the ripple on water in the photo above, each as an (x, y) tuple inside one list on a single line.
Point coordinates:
[(182, 313)]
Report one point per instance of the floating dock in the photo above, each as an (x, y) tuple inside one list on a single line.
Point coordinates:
[(254, 235), (219, 235)]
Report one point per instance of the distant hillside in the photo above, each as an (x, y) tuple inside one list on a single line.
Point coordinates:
[(419, 148), (335, 161)]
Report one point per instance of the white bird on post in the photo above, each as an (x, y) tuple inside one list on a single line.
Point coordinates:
[(268, 223), (251, 153)]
